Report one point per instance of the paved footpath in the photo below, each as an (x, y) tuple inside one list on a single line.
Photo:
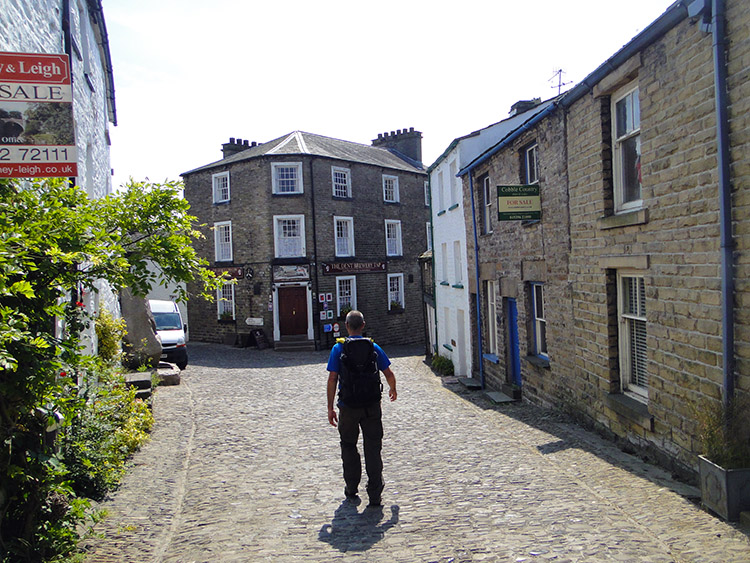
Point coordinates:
[(243, 466)]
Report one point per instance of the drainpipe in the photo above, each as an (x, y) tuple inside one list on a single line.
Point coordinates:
[(725, 196), (476, 273), (317, 339)]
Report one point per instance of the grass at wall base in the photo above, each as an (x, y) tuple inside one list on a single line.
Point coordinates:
[(57, 247)]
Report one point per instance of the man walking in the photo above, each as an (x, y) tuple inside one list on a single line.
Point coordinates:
[(354, 368)]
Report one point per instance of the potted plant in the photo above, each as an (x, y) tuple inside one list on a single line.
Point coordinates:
[(226, 316), (396, 307), (344, 311), (725, 463)]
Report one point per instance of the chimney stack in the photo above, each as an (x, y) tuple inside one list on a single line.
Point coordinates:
[(524, 105), (404, 143), (236, 145)]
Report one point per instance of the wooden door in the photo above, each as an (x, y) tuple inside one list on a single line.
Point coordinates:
[(292, 310)]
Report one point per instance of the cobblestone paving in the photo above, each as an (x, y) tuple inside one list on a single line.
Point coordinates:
[(243, 466)]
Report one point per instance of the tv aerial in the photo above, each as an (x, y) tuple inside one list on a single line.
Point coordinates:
[(559, 75)]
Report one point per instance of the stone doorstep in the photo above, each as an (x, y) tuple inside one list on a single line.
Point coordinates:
[(470, 383), (498, 397)]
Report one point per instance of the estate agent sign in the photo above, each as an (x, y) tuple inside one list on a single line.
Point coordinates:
[(36, 116), (518, 203)]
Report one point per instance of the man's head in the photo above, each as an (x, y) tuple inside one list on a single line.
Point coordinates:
[(355, 322)]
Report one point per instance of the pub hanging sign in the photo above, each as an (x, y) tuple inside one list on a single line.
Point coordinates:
[(519, 203)]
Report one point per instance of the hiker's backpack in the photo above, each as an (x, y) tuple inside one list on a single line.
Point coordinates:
[(359, 377)]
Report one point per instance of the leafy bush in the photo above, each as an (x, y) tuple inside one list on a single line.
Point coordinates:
[(109, 426), (109, 334), (55, 244), (442, 365)]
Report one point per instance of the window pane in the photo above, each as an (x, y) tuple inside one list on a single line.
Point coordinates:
[(286, 177), (538, 302), (542, 337), (631, 169), (638, 353)]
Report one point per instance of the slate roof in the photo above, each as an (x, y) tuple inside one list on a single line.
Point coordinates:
[(301, 143)]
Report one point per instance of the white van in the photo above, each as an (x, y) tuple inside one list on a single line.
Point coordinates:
[(171, 330)]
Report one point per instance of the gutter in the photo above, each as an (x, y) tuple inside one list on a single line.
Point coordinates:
[(97, 14), (671, 17)]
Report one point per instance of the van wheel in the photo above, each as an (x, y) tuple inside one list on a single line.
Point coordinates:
[(182, 366)]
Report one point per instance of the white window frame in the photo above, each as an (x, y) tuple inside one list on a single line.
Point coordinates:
[(633, 370), (632, 132), (457, 263), (444, 262), (454, 183), (277, 239), (337, 185), (223, 251), (395, 196), (440, 193), (353, 289), (539, 320), (349, 222), (531, 164), (225, 300), (398, 296), (426, 193), (393, 247), (429, 235), (491, 288), (277, 186), (218, 189), (486, 206)]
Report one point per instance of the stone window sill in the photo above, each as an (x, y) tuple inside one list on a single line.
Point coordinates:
[(632, 409), (439, 213), (637, 217), (538, 361), (448, 347), (491, 358), (452, 207), (458, 285)]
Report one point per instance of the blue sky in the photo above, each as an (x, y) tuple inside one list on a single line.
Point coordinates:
[(190, 74)]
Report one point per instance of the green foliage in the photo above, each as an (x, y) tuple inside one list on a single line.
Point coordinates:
[(109, 334), (725, 433), (56, 243), (442, 365), (110, 425)]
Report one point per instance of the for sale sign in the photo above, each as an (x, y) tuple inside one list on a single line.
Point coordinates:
[(519, 203), (37, 137)]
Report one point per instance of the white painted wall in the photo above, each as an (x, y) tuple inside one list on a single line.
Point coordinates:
[(35, 26)]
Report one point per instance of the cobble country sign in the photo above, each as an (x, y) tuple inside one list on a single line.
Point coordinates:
[(519, 203), (37, 138)]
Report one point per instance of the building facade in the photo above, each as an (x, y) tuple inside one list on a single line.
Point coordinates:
[(451, 241), (630, 291), (310, 227), (78, 29)]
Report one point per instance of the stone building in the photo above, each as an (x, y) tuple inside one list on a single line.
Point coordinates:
[(309, 227), (637, 274)]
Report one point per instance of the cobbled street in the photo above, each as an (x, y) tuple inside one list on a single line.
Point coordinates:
[(243, 466)]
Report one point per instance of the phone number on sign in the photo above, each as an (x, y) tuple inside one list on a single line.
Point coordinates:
[(37, 154)]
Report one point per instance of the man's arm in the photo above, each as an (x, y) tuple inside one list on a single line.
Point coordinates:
[(333, 379), (391, 380)]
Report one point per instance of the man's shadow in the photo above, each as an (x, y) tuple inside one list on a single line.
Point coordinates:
[(351, 530)]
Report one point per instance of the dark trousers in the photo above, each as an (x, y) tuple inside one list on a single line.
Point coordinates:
[(370, 421)]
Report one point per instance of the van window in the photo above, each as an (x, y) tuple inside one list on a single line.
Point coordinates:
[(167, 321)]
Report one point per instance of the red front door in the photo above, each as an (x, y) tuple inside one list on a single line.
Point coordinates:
[(292, 310)]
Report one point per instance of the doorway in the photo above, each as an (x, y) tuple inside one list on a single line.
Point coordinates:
[(292, 302), (513, 356)]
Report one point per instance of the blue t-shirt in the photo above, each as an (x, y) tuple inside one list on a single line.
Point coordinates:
[(334, 360)]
